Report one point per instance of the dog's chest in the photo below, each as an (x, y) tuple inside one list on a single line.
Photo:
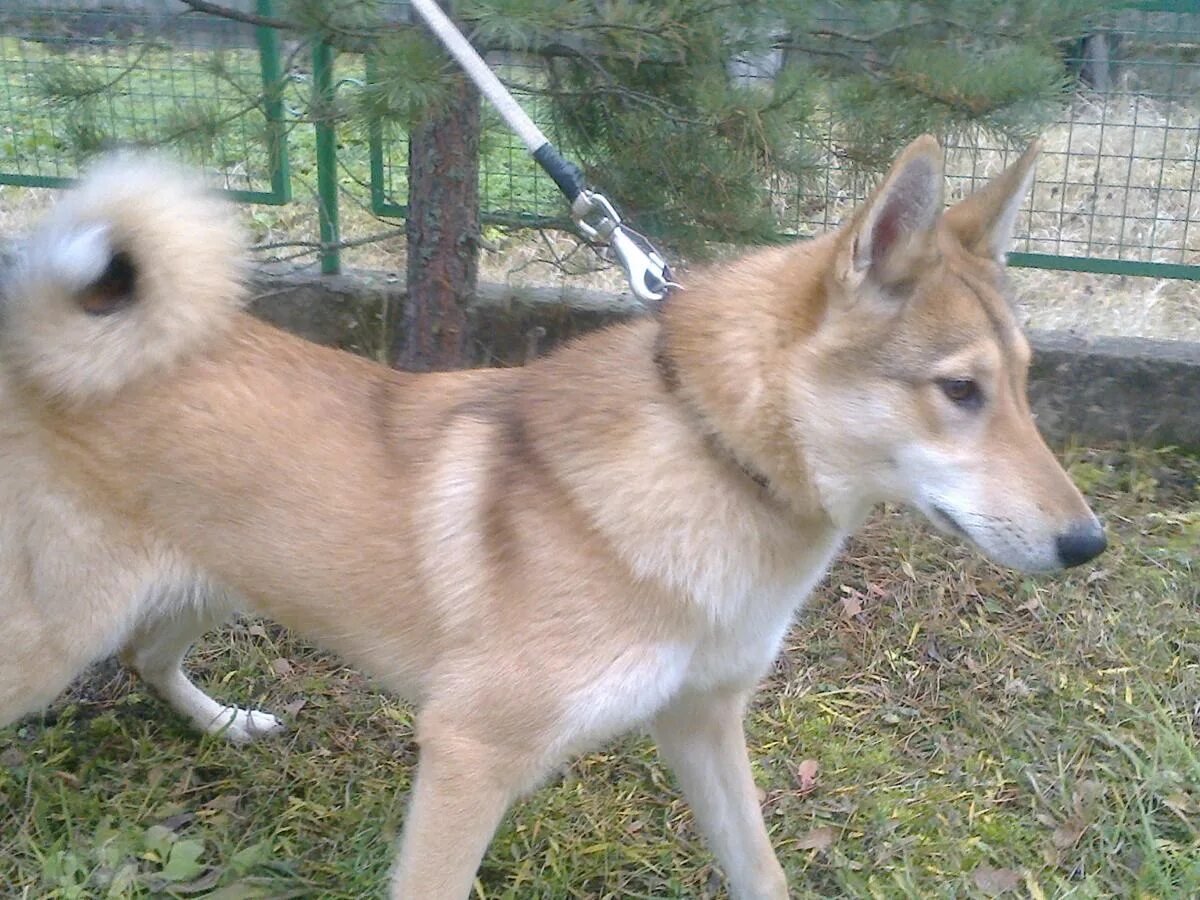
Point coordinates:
[(741, 573), (730, 617), (740, 643)]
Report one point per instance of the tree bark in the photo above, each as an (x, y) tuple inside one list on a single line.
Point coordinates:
[(432, 333), (1095, 69)]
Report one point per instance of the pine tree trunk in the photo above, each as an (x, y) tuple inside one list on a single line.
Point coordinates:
[(442, 231)]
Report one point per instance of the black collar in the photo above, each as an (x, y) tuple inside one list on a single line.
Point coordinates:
[(669, 373)]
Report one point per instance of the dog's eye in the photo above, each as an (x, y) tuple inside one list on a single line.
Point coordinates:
[(963, 391)]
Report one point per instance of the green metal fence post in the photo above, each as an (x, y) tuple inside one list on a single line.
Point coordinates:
[(272, 82), (327, 189)]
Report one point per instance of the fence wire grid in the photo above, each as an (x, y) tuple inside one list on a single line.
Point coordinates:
[(78, 78), (1115, 188)]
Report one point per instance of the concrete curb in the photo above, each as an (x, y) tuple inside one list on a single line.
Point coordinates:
[(1116, 389), (1094, 390)]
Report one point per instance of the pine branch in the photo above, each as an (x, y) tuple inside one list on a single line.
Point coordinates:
[(641, 98), (236, 15), (395, 232)]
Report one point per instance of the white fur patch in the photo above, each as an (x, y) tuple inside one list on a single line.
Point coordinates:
[(77, 258), (632, 688), (1001, 237)]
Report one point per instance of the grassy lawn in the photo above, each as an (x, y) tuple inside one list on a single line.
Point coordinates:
[(936, 728)]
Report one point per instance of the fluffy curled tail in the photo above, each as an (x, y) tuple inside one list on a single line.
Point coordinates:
[(136, 268)]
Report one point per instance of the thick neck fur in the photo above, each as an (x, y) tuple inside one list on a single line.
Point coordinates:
[(725, 337)]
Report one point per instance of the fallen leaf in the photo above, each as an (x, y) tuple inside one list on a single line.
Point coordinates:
[(1046, 819), (1086, 793), (1180, 803), (184, 862), (246, 890), (396, 714), (995, 882), (1018, 687), (294, 707), (1068, 834), (806, 774), (249, 857), (817, 839), (205, 882), (157, 841), (281, 667), (986, 585), (123, 880), (177, 821), (713, 886), (852, 604), (224, 802)]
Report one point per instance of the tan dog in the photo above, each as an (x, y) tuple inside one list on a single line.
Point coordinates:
[(615, 536)]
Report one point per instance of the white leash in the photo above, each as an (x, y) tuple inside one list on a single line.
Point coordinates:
[(648, 273)]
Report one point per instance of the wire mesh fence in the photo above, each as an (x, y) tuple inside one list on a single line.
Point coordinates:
[(1115, 191), (512, 188), (1116, 183), (77, 78)]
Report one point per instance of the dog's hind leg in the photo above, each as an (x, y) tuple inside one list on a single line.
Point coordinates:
[(156, 651), (700, 736)]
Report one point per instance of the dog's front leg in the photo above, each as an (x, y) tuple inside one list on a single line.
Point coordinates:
[(700, 736), (463, 786)]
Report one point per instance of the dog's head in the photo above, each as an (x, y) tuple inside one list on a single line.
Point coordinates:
[(910, 385)]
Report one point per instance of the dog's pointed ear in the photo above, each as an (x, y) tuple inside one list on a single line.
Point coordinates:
[(894, 233), (984, 222)]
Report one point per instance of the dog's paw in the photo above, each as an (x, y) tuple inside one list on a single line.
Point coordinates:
[(244, 725)]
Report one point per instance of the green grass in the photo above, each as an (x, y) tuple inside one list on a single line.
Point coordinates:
[(973, 730)]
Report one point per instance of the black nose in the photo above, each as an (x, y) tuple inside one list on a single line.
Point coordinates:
[(1080, 543)]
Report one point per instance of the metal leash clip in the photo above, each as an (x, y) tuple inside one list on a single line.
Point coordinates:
[(648, 273)]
